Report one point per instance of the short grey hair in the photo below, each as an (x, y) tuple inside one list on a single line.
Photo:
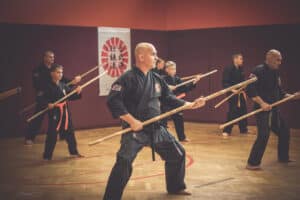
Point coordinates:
[(170, 63)]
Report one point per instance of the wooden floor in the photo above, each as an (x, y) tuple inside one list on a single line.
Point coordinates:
[(215, 169)]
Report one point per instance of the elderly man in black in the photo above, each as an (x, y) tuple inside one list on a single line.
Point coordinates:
[(136, 96), (41, 78), (265, 91), (172, 79), (232, 75)]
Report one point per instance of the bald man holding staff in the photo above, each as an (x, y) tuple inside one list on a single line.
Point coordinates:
[(136, 96), (265, 91)]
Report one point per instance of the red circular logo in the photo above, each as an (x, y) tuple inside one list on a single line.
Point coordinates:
[(114, 56)]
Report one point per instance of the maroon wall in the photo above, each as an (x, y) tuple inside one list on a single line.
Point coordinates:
[(194, 51), (151, 14), (76, 49), (203, 50)]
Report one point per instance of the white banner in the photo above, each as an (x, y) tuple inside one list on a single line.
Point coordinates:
[(113, 55)]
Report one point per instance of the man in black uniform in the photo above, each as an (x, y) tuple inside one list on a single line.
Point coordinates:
[(159, 67), (136, 96), (59, 115), (265, 91), (40, 78), (172, 79), (232, 75)]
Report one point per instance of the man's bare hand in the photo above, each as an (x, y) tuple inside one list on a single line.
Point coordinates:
[(136, 125), (265, 106), (198, 103), (76, 79), (197, 78), (172, 87), (50, 106), (78, 89)]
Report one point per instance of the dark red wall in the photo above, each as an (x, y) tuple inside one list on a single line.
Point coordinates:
[(75, 48), (195, 14), (203, 50), (194, 51), (141, 14), (151, 14)]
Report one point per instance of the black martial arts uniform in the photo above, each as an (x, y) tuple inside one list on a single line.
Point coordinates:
[(268, 87), (41, 78), (237, 103), (60, 120), (161, 72), (180, 93), (141, 95)]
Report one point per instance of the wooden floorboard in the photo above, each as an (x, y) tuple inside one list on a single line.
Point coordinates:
[(215, 169)]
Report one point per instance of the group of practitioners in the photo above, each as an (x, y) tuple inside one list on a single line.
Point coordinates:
[(147, 90)]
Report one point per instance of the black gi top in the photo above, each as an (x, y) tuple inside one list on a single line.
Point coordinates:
[(161, 72), (54, 92), (133, 89), (41, 78), (175, 81), (267, 86), (232, 76), (142, 95)]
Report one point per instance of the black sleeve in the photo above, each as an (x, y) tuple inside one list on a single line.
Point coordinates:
[(251, 89), (73, 97), (46, 98), (185, 88), (282, 92), (66, 80), (226, 82), (168, 98), (115, 99), (36, 79)]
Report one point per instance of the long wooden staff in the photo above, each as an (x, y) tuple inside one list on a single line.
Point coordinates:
[(68, 84), (258, 110), (176, 110), (85, 74), (228, 97), (189, 81), (11, 92), (66, 96)]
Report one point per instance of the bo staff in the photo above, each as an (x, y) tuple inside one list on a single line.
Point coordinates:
[(66, 96), (11, 92), (193, 76), (189, 81), (85, 74), (258, 110), (68, 84), (174, 111), (227, 98)]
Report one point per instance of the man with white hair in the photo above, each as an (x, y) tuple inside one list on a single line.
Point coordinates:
[(265, 91), (135, 97)]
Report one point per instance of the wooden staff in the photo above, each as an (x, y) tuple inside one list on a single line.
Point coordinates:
[(227, 98), (174, 111), (258, 110), (85, 74), (68, 84), (66, 96), (193, 76), (11, 92), (189, 81)]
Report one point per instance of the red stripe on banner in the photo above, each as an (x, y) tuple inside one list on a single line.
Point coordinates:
[(104, 54)]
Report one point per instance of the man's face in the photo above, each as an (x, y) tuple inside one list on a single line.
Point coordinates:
[(274, 61), (171, 70), (239, 60), (150, 57), (161, 65), (57, 74), (49, 58)]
